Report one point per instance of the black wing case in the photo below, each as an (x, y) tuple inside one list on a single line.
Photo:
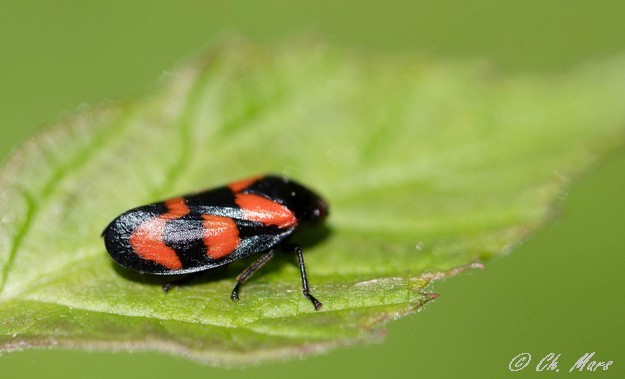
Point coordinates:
[(188, 234)]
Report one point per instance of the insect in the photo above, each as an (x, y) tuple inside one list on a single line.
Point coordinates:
[(204, 230)]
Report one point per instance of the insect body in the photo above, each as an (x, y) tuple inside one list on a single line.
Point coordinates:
[(209, 229)]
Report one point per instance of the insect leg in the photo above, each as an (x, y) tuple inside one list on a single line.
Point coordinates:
[(245, 275), (305, 289), (177, 282)]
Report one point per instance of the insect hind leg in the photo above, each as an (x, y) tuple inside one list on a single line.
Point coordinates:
[(178, 282)]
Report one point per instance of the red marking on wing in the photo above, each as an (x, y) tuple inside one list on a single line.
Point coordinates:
[(176, 208), (221, 236), (258, 208), (147, 240), (242, 184)]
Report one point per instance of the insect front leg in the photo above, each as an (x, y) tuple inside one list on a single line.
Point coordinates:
[(245, 275), (302, 268)]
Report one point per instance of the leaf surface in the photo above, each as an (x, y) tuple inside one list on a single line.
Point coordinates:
[(430, 167)]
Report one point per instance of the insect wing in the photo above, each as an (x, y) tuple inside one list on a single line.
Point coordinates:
[(197, 232)]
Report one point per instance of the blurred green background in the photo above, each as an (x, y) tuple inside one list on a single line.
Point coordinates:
[(558, 292)]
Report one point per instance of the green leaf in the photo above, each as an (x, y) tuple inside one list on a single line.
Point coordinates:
[(429, 166)]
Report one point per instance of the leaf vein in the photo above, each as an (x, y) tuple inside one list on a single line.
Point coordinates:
[(80, 159)]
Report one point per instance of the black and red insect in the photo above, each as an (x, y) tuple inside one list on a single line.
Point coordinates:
[(201, 231)]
